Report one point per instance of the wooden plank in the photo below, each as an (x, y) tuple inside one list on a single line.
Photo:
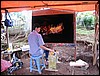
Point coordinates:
[(17, 49), (7, 33), (51, 69), (95, 45), (96, 35)]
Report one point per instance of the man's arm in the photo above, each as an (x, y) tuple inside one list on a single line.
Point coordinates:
[(45, 48)]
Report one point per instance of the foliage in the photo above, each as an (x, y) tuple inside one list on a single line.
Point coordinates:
[(85, 19), (88, 20)]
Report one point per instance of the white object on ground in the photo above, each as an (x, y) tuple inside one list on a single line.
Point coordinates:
[(79, 63)]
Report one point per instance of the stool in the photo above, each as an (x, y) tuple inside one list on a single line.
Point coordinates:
[(38, 63)]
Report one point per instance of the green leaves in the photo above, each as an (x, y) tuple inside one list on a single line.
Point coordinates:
[(86, 19)]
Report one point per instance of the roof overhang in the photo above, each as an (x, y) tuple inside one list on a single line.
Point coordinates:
[(51, 11), (77, 6)]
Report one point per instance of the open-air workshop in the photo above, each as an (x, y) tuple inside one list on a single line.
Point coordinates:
[(49, 38)]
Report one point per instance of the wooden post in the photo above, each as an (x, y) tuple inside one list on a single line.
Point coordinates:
[(7, 36), (95, 44), (96, 36), (74, 23), (7, 32)]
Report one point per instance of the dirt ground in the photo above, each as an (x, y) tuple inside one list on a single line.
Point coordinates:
[(63, 67), (66, 54)]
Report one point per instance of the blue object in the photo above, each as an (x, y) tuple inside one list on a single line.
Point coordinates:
[(8, 23), (16, 64), (46, 52), (38, 63)]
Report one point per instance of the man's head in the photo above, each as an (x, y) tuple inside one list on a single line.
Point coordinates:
[(36, 27)]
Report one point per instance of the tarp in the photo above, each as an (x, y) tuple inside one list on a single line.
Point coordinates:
[(5, 65), (77, 6)]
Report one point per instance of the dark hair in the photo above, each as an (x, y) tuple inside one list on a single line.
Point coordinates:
[(36, 25)]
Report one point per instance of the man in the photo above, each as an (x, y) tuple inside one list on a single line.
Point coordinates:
[(36, 43)]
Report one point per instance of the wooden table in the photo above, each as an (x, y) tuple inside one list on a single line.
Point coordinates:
[(25, 50), (4, 53)]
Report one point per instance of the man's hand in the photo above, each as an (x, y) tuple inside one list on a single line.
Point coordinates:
[(45, 48), (51, 50)]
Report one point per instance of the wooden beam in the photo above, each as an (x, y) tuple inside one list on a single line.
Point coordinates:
[(95, 53), (46, 5), (15, 7)]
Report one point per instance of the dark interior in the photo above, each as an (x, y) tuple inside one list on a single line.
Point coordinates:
[(64, 36)]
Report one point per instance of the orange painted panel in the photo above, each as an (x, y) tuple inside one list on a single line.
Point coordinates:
[(13, 6)]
